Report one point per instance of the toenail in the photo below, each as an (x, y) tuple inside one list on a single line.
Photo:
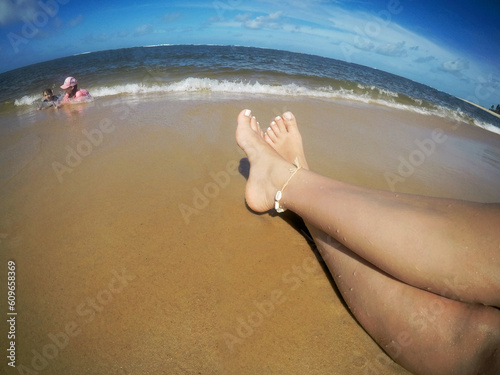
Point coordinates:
[(278, 118), (248, 112), (268, 129), (288, 116), (273, 123)]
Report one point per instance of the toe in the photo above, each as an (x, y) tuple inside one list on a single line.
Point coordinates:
[(268, 139), (275, 128), (281, 125), (271, 135), (245, 117), (289, 120), (246, 113), (254, 124)]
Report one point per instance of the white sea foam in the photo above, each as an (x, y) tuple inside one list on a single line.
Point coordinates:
[(487, 126), (158, 45), (386, 92), (27, 100)]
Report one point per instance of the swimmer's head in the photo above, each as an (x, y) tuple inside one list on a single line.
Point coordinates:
[(69, 82), (47, 94)]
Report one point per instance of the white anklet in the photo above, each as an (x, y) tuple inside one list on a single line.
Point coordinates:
[(279, 193)]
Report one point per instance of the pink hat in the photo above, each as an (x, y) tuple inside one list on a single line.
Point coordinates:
[(68, 82)]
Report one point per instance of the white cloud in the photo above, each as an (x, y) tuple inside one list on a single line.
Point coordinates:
[(364, 44), (262, 22), (170, 17), (75, 21), (424, 59), (455, 66), (143, 30), (11, 11), (392, 49)]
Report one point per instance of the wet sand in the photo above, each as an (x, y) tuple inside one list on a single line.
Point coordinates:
[(136, 254)]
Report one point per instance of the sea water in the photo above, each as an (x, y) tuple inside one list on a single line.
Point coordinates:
[(230, 70)]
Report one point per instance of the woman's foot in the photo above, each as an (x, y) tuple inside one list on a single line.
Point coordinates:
[(268, 170), (283, 135)]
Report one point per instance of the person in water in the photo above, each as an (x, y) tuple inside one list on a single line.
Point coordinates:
[(49, 99), (420, 274), (73, 94)]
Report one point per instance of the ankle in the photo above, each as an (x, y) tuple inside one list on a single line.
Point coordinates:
[(278, 204)]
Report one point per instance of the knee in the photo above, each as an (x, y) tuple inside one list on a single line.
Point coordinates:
[(470, 344), (484, 356), (488, 355)]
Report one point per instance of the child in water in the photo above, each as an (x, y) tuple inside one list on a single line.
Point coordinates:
[(73, 94), (49, 100)]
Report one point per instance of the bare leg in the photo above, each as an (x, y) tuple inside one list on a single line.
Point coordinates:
[(423, 332), (415, 322), (449, 247)]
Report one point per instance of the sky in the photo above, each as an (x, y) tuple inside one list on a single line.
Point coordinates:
[(453, 46)]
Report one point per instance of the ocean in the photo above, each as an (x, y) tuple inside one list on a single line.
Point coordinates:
[(230, 70)]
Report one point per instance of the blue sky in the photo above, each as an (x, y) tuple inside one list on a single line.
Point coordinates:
[(453, 46)]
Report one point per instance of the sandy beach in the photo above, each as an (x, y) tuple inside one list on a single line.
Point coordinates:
[(136, 254)]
